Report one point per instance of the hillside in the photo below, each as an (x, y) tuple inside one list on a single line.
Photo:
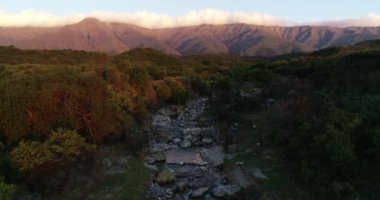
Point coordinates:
[(89, 125), (240, 39)]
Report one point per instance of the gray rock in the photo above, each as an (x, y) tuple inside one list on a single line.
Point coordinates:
[(185, 144), (232, 148), (240, 178), (214, 155), (177, 140), (151, 167), (186, 171), (207, 141), (169, 193), (160, 120), (258, 173), (225, 190), (159, 147), (208, 132), (106, 162), (177, 156), (199, 192), (116, 170), (158, 157), (192, 131), (182, 186)]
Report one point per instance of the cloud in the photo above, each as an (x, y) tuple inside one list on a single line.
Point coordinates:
[(371, 20), (142, 18), (155, 20)]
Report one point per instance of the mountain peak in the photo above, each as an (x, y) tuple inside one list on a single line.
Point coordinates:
[(90, 20)]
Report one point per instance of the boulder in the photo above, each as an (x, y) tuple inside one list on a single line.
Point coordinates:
[(207, 141), (239, 177), (199, 192), (256, 172), (208, 132), (225, 190), (182, 186), (185, 144), (178, 156), (214, 155)]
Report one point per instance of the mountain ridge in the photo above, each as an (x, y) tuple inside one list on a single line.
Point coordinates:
[(92, 34)]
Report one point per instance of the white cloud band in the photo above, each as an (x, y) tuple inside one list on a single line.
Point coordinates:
[(154, 20)]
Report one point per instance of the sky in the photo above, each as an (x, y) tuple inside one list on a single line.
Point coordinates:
[(167, 13)]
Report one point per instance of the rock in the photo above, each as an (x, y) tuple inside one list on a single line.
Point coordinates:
[(185, 144), (214, 155), (238, 177), (165, 177), (207, 141), (232, 148), (159, 147), (160, 120), (208, 132), (116, 170), (192, 131), (177, 156), (158, 157), (177, 140), (199, 192), (106, 162), (223, 191), (256, 172), (182, 186), (164, 135), (151, 167), (187, 171), (169, 193)]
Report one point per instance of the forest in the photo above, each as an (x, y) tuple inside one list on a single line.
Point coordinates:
[(318, 111)]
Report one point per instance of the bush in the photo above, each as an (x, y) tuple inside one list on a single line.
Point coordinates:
[(7, 191), (61, 145)]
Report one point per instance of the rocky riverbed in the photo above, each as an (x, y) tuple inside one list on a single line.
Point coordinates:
[(188, 156)]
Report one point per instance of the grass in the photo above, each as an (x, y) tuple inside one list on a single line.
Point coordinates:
[(132, 183), (282, 183), (127, 186)]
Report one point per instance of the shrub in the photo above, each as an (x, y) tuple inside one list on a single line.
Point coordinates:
[(7, 191), (61, 145)]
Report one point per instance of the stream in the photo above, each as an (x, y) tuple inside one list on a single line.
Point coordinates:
[(188, 155)]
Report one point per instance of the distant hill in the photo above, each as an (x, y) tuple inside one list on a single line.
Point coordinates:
[(240, 39)]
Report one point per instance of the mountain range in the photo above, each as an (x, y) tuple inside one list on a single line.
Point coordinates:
[(241, 39)]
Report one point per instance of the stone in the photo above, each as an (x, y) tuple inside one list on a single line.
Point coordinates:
[(214, 155), (207, 141), (169, 193), (177, 140), (225, 190), (208, 132), (256, 172), (182, 186), (116, 170), (151, 167), (187, 171), (159, 147), (177, 156), (165, 176), (185, 144), (160, 120), (106, 162), (238, 177), (232, 148), (158, 157), (199, 192), (192, 131)]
